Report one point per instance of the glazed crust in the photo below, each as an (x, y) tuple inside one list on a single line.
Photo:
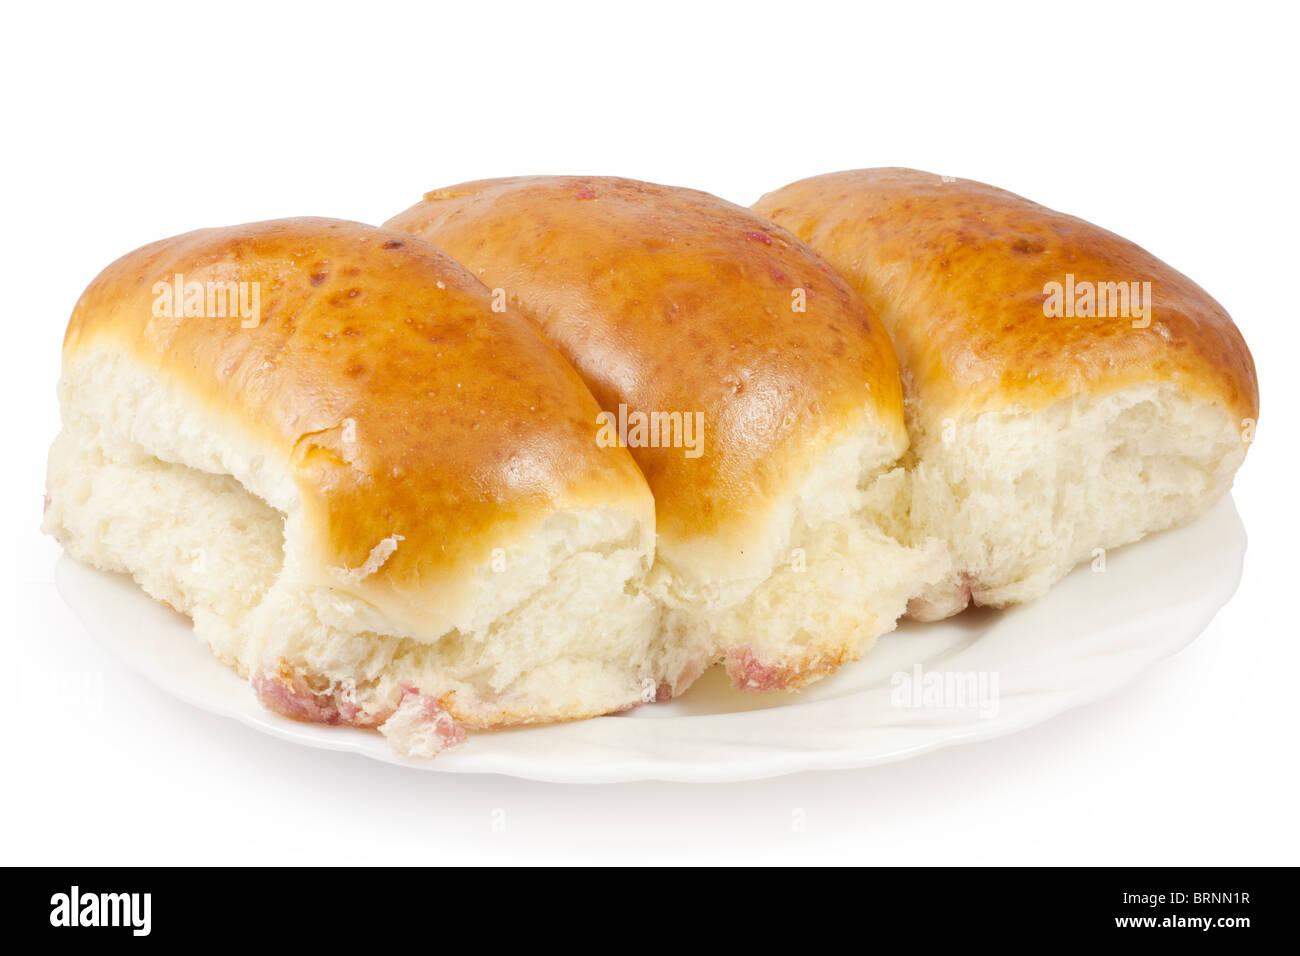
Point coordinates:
[(399, 402), (668, 299), (957, 270)]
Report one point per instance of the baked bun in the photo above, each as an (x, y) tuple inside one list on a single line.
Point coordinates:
[(775, 386), (1066, 390), (379, 499)]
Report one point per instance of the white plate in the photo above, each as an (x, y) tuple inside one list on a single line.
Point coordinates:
[(1090, 635)]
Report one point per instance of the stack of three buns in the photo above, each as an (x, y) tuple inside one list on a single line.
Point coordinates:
[(547, 448)]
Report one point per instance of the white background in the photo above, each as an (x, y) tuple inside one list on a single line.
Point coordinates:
[(1173, 126)]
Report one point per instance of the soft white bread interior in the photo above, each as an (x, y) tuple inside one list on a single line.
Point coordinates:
[(1023, 496), (1042, 430), (772, 550), (382, 504), (830, 574)]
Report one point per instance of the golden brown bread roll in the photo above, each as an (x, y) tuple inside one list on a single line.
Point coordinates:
[(1066, 390), (378, 498), (673, 302)]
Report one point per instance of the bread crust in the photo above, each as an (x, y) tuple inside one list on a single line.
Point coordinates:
[(958, 269), (402, 406), (669, 299)]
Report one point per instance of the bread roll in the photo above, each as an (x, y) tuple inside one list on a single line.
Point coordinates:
[(379, 499), (673, 303), (1066, 390)]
